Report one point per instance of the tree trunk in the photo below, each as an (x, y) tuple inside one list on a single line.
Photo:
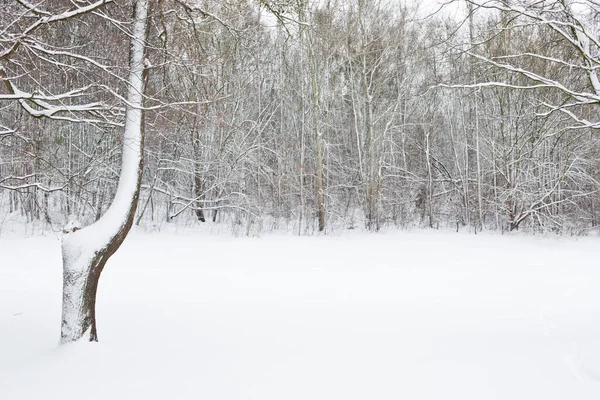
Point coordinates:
[(86, 251), (199, 192), (319, 182)]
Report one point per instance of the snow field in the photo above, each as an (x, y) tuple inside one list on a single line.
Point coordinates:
[(421, 315)]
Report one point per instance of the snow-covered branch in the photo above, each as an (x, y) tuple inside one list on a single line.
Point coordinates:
[(4, 184), (46, 18)]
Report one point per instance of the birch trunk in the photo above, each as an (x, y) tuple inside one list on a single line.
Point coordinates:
[(86, 251)]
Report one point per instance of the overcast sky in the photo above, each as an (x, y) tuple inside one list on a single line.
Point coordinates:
[(430, 6), (424, 8)]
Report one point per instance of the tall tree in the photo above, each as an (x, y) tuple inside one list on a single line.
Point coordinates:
[(86, 251)]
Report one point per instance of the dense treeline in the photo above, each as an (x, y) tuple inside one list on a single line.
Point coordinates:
[(308, 115)]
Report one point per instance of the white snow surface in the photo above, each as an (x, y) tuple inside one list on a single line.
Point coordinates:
[(420, 315)]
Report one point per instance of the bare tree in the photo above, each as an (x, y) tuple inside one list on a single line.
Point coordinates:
[(86, 251), (539, 61)]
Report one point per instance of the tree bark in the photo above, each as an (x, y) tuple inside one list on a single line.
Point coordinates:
[(86, 251), (199, 192)]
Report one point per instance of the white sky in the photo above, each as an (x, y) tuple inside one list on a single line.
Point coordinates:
[(424, 8), (427, 7)]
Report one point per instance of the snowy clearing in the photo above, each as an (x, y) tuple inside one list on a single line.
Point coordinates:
[(421, 315)]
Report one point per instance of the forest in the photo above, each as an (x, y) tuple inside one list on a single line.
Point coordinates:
[(258, 145), (306, 116)]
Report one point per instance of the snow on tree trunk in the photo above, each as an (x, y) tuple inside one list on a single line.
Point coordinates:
[(86, 251)]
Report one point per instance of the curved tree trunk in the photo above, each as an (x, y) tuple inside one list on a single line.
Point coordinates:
[(86, 251)]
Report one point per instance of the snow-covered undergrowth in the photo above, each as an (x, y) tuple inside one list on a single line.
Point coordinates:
[(420, 315)]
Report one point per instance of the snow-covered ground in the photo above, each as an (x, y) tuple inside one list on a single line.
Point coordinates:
[(422, 315)]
